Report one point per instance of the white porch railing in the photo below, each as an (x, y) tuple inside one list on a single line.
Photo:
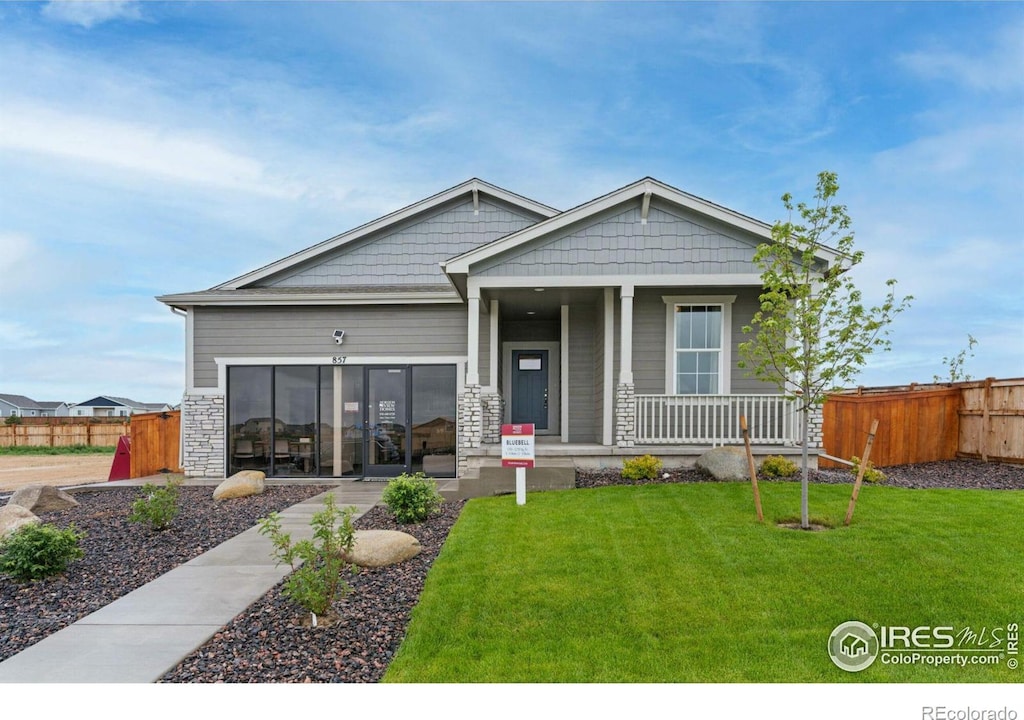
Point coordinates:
[(715, 419)]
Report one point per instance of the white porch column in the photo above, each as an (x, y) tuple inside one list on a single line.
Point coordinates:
[(608, 387), (473, 349), (626, 337), (625, 394)]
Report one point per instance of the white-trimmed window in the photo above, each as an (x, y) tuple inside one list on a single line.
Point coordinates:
[(698, 348)]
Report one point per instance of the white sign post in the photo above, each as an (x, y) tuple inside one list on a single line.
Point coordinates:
[(517, 450)]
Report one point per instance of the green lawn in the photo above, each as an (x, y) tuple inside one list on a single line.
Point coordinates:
[(61, 450), (679, 583)]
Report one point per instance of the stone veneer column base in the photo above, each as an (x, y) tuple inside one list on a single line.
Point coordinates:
[(202, 420), (625, 415), (471, 424)]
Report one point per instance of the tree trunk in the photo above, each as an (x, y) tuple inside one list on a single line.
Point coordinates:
[(805, 521)]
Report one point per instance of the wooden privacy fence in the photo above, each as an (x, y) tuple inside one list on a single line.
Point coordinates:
[(992, 420), (928, 423), (155, 443), (58, 432)]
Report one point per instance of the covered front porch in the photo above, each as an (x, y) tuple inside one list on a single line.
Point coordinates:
[(598, 371)]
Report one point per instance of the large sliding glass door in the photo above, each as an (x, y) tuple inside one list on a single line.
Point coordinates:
[(348, 421)]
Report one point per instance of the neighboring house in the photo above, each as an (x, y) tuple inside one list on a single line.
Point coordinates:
[(110, 406), (53, 408), (19, 406), (612, 327)]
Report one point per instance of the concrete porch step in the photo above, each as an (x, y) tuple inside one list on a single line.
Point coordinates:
[(489, 478)]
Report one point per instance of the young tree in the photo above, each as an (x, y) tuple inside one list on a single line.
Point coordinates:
[(955, 364), (813, 332)]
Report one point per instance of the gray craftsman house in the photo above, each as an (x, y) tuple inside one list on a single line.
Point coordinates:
[(404, 344)]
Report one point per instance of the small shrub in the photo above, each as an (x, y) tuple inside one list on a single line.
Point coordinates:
[(12, 420), (315, 582), (645, 467), (776, 466), (412, 498), (158, 505), (871, 473), (36, 551)]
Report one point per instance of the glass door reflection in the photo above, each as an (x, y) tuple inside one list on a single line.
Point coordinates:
[(387, 421)]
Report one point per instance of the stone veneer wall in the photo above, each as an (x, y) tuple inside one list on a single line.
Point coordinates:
[(493, 414), (625, 415), (815, 427), (202, 419)]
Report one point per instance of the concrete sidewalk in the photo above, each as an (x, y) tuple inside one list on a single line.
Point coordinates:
[(139, 637)]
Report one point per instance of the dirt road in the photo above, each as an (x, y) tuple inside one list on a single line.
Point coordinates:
[(61, 470)]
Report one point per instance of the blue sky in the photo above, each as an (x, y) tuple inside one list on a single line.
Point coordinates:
[(151, 148)]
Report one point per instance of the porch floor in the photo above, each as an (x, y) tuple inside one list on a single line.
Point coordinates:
[(557, 462)]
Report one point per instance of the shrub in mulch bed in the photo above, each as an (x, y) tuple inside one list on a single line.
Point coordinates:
[(954, 474), (120, 556), (269, 642)]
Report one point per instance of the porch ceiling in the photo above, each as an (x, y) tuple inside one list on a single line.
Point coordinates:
[(545, 304)]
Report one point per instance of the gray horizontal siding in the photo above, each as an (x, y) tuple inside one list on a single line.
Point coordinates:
[(649, 343), (410, 255), (299, 332), (583, 415), (619, 244)]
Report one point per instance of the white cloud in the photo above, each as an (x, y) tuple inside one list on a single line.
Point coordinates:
[(996, 68), (17, 336), (22, 265), (148, 149), (14, 248), (87, 13)]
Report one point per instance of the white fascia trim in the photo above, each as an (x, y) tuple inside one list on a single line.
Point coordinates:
[(725, 367), (313, 299), (476, 284), (473, 186), (223, 363)]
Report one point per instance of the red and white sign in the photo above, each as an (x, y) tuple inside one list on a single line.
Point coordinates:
[(517, 448)]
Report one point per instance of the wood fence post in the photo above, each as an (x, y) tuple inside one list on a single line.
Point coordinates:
[(985, 400), (860, 471)]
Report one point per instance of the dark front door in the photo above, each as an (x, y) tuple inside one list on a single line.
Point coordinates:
[(530, 387), (387, 422)]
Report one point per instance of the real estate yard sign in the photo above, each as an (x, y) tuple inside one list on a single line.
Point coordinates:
[(517, 450)]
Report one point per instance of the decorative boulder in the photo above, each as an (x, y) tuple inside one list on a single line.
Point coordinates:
[(725, 463), (377, 548), (241, 484), (42, 498), (13, 517)]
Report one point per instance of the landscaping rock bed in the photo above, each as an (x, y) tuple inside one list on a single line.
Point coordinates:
[(962, 474), (270, 643), (121, 556)]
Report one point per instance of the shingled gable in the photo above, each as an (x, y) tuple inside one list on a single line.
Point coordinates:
[(392, 259), (566, 243)]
